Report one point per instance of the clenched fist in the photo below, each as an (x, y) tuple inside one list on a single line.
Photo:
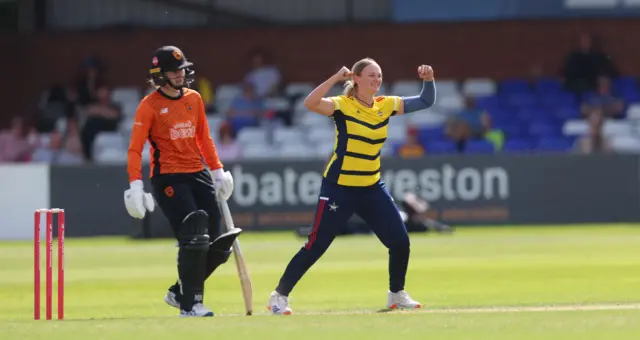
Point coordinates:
[(343, 74), (425, 72)]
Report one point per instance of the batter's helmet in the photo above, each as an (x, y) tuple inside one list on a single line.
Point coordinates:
[(168, 59)]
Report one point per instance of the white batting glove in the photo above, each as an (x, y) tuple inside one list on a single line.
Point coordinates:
[(222, 182), (137, 201)]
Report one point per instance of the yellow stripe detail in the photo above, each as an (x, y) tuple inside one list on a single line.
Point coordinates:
[(358, 181), (363, 147), (357, 164)]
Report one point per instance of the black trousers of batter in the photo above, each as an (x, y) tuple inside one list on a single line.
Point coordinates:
[(336, 204), (181, 194)]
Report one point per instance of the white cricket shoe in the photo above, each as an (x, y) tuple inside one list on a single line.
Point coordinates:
[(279, 304), (170, 299), (198, 310), (401, 300)]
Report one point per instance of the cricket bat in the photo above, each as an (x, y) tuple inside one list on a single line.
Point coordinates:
[(245, 279)]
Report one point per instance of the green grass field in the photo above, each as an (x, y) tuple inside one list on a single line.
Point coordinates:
[(480, 283)]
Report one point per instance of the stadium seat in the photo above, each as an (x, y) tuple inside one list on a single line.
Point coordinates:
[(515, 86), (548, 85), (396, 133), (425, 118), (440, 147), (298, 89), (450, 102), (259, 151), (575, 127), (317, 136), (477, 87), (286, 135), (296, 151), (122, 95), (324, 149), (617, 128), (277, 104), (312, 119), (553, 144), (406, 88), (252, 135), (225, 94), (517, 145), (109, 140), (111, 156), (626, 144), (447, 87), (479, 146), (633, 111)]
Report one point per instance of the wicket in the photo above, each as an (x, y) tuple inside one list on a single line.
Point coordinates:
[(49, 262)]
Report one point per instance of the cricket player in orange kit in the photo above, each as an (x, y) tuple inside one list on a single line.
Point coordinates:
[(173, 120)]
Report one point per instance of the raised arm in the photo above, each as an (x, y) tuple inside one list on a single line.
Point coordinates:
[(427, 96), (316, 101)]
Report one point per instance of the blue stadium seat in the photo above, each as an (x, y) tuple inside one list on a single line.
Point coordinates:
[(514, 130), (441, 147), (541, 129), (513, 86), (548, 85), (557, 144), (624, 84), (488, 102), (517, 145), (557, 99), (479, 146), (521, 100), (565, 113), (237, 123)]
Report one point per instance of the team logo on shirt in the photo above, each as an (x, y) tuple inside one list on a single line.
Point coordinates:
[(183, 130), (169, 191)]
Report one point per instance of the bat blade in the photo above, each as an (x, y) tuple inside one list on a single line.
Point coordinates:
[(245, 279), (241, 266)]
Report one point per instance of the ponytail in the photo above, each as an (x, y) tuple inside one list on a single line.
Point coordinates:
[(350, 88)]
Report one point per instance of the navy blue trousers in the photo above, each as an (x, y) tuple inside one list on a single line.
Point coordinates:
[(336, 205)]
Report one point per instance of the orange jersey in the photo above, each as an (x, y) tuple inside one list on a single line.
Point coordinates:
[(178, 132)]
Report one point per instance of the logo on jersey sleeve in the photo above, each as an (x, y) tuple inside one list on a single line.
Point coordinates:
[(183, 130)]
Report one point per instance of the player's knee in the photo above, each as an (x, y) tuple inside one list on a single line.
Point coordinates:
[(193, 234), (401, 244)]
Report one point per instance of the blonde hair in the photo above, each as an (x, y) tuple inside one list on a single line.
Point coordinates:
[(350, 85)]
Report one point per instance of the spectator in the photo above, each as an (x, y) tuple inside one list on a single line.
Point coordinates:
[(228, 148), (604, 100), (265, 77), (102, 115), (15, 145), (61, 149), (89, 81), (583, 66), (247, 104), (491, 134), (58, 102), (411, 148), (467, 124), (594, 141)]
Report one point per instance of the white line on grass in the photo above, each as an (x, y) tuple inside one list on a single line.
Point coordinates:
[(479, 310)]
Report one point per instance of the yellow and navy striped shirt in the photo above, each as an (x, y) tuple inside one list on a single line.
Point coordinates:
[(360, 134)]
